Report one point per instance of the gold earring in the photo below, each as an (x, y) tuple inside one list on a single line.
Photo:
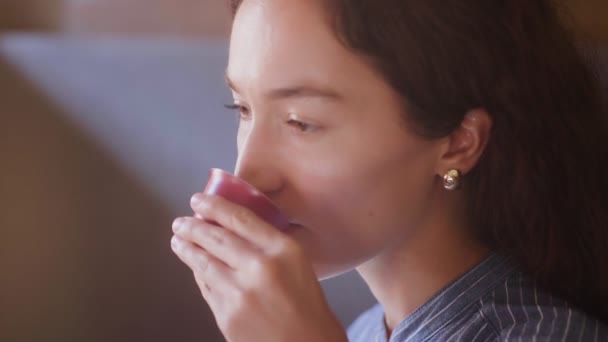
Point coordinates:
[(451, 180)]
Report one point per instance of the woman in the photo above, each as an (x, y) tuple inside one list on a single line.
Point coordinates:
[(451, 151)]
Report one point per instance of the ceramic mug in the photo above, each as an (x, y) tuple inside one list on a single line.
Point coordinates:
[(235, 189)]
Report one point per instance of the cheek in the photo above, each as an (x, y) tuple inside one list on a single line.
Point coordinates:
[(380, 202), (360, 205)]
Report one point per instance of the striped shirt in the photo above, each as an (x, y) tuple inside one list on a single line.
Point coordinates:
[(493, 301)]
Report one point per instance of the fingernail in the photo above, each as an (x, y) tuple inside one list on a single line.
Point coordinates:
[(196, 200), (177, 224)]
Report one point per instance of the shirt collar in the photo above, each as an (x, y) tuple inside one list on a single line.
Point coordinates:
[(459, 294)]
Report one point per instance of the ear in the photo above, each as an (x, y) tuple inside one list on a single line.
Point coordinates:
[(465, 145)]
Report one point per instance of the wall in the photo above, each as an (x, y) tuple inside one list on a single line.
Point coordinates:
[(175, 17), (39, 15), (187, 17)]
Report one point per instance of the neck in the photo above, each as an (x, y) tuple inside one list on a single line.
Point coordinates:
[(407, 274)]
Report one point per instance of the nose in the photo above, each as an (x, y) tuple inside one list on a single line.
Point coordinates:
[(257, 162)]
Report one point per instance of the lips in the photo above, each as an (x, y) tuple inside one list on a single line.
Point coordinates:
[(293, 227)]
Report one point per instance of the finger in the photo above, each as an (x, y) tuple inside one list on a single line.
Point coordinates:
[(215, 279), (220, 242), (240, 220), (205, 290)]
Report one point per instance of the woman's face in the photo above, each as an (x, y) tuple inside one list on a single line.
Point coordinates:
[(322, 134)]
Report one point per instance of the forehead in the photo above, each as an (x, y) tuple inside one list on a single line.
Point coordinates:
[(278, 39), (265, 23)]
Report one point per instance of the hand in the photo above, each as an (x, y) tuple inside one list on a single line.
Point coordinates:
[(256, 279)]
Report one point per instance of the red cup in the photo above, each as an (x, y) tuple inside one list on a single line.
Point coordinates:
[(237, 190)]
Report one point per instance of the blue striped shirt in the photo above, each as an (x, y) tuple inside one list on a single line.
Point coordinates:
[(494, 301)]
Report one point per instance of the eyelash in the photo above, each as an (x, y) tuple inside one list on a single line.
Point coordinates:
[(239, 110), (299, 125)]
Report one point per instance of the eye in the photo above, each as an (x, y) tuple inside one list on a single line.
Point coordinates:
[(301, 126), (242, 111)]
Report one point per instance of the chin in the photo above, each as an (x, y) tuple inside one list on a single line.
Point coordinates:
[(332, 273), (328, 271), (326, 264)]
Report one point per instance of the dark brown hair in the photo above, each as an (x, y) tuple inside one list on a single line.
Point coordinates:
[(539, 191)]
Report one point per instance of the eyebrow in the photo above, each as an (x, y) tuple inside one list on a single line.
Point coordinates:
[(296, 91)]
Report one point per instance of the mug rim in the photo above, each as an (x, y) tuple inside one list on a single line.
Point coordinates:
[(256, 192)]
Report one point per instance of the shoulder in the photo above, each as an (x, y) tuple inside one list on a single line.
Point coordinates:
[(517, 309), (367, 325)]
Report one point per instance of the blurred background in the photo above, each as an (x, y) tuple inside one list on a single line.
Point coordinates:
[(111, 115)]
